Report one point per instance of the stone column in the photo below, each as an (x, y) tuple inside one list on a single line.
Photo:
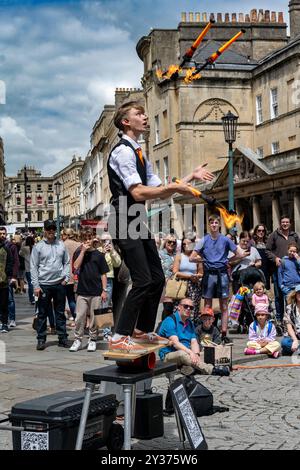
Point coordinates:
[(297, 211), (199, 219), (275, 212), (239, 210), (256, 211)]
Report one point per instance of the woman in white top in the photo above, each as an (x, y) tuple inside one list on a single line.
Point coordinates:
[(190, 272)]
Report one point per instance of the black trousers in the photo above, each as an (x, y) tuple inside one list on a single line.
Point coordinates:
[(148, 280), (4, 305), (56, 292)]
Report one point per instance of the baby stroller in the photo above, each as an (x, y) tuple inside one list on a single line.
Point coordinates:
[(247, 278)]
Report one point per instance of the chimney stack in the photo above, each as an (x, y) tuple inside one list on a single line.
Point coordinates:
[(294, 9), (197, 17), (233, 17), (183, 17), (261, 16), (241, 18), (273, 17), (253, 15), (227, 19), (267, 16), (219, 18), (280, 17)]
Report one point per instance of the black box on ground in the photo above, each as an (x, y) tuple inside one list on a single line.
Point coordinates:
[(149, 422), (51, 422)]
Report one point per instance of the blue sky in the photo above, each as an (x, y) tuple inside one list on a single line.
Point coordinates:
[(62, 60)]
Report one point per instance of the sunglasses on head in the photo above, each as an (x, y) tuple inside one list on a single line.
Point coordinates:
[(187, 307)]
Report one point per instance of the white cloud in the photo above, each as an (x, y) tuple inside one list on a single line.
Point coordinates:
[(61, 63)]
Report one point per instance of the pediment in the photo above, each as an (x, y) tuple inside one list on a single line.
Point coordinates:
[(246, 167), (213, 110)]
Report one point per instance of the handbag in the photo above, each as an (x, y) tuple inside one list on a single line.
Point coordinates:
[(175, 288), (104, 318)]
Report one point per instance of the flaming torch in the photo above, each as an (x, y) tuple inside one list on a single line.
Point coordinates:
[(218, 53), (172, 73), (230, 217)]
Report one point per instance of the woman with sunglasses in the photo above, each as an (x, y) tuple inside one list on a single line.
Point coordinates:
[(191, 272), (167, 255), (260, 236)]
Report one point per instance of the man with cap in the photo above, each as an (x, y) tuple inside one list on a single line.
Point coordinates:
[(50, 273), (206, 331), (262, 334)]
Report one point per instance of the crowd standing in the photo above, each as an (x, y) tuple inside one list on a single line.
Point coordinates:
[(83, 274)]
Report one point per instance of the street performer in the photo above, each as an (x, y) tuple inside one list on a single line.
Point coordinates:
[(132, 182)]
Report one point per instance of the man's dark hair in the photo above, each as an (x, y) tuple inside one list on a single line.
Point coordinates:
[(285, 216), (3, 229)]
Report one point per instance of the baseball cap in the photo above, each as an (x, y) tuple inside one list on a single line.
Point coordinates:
[(48, 224), (208, 311)]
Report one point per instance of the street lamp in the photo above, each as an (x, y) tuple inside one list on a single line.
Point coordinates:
[(229, 128), (57, 192)]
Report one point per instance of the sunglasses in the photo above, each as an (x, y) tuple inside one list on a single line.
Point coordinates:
[(187, 307), (260, 230), (171, 243)]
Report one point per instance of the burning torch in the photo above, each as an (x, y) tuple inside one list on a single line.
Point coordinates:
[(230, 217), (218, 53), (190, 52)]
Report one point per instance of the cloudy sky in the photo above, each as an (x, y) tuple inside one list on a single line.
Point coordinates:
[(61, 61)]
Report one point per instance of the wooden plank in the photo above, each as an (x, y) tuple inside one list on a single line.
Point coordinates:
[(119, 355)]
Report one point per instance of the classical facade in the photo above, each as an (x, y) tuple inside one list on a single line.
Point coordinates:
[(2, 173), (40, 198), (258, 80), (69, 200)]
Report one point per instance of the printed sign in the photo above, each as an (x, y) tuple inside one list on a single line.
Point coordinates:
[(187, 415)]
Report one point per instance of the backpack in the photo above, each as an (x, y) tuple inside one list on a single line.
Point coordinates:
[(255, 325), (159, 324), (3, 260)]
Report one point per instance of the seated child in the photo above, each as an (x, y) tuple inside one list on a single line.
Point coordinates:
[(206, 331), (259, 296), (262, 334)]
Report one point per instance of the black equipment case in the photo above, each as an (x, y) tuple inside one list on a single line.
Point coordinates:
[(51, 422)]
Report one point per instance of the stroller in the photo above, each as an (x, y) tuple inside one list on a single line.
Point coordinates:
[(247, 278)]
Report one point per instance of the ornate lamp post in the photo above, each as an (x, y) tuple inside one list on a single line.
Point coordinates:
[(229, 128), (57, 192)]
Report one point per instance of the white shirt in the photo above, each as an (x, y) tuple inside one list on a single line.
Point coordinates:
[(123, 162)]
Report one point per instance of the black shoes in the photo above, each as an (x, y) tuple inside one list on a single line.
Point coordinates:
[(222, 371), (226, 340), (63, 343), (41, 345)]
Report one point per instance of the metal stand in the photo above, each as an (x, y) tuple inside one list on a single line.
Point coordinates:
[(181, 435), (128, 380), (84, 414)]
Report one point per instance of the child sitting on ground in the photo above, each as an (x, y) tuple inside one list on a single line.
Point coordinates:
[(262, 334), (259, 294), (206, 332)]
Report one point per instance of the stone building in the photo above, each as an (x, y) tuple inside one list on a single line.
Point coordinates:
[(2, 174), (40, 198), (69, 201), (258, 80)]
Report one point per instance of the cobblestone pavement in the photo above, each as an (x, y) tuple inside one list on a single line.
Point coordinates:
[(263, 404)]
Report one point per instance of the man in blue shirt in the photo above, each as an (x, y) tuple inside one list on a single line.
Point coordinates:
[(184, 349), (213, 251)]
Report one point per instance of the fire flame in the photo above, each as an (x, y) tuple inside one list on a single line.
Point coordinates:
[(168, 73), (230, 219), (189, 78)]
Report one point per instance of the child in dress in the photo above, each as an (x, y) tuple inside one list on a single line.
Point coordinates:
[(259, 294), (262, 334)]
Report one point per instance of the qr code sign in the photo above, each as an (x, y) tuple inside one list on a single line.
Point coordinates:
[(34, 440)]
